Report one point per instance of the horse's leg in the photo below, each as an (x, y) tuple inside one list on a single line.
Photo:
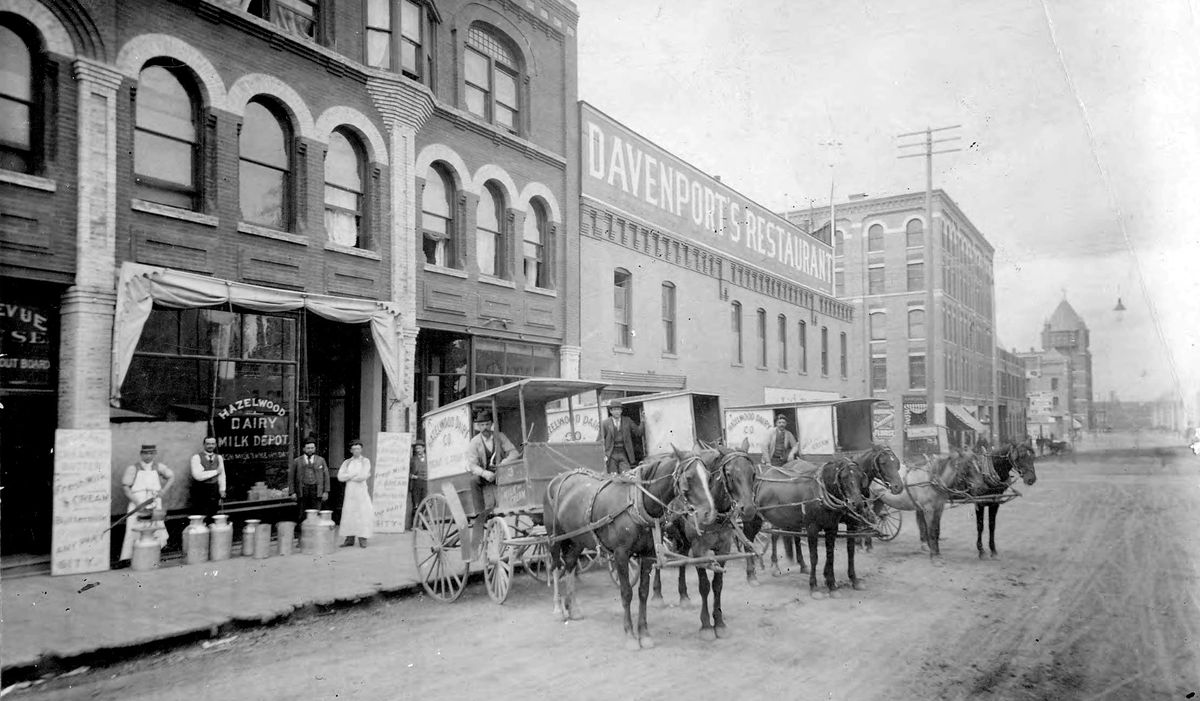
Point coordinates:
[(656, 591), (789, 548), (621, 562), (854, 583), (935, 532), (979, 529), (718, 616), (750, 529), (775, 571), (922, 528), (706, 628), (800, 556), (812, 556), (555, 573), (993, 509), (643, 630), (684, 599), (830, 546)]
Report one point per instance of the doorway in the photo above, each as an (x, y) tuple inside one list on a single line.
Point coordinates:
[(27, 425), (330, 396)]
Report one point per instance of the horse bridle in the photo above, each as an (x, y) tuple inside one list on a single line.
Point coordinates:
[(879, 452)]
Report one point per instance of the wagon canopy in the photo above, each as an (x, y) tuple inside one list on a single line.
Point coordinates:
[(822, 427), (534, 391)]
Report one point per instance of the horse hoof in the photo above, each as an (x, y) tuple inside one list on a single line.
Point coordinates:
[(803, 570), (658, 602), (685, 602), (937, 561), (858, 586), (753, 582), (777, 573), (632, 645), (722, 632), (708, 634), (981, 555), (647, 642), (818, 595), (995, 555)]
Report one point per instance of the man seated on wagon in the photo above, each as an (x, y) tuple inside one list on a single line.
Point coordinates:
[(487, 449), (780, 444)]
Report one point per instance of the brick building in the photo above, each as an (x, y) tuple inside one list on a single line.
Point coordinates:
[(1011, 399), (689, 284), (1066, 333), (1050, 391), (902, 350), (223, 209)]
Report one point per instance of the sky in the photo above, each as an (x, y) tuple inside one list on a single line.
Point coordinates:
[(1080, 138)]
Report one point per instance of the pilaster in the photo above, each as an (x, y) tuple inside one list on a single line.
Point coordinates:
[(568, 358)]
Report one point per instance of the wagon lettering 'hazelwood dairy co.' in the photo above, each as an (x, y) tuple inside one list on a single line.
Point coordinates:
[(587, 426), (447, 436), (751, 424)]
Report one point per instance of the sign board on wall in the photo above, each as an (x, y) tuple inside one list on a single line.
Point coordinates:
[(883, 417), (447, 437), (26, 352), (784, 395), (629, 172), (79, 539), (390, 499)]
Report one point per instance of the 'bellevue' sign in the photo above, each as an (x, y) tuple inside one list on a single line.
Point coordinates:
[(626, 170)]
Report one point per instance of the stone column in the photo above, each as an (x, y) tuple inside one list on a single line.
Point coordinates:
[(568, 358)]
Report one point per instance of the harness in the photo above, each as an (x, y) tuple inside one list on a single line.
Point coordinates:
[(824, 496)]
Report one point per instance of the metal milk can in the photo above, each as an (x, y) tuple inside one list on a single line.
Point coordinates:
[(328, 536), (262, 541), (310, 533), (220, 538), (286, 532), (146, 550), (248, 532), (195, 541)]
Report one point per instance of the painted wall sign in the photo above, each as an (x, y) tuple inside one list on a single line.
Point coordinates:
[(624, 169), (883, 418), (79, 541), (447, 435), (26, 351), (390, 496), (254, 436)]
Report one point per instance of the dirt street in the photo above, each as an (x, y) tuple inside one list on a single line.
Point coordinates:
[(1094, 597)]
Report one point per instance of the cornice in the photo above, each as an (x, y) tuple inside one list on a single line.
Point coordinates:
[(468, 122)]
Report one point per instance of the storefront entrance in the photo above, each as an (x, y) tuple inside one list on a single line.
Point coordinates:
[(330, 395), (26, 474)]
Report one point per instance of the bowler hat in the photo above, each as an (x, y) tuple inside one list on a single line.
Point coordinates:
[(149, 448), (483, 416)]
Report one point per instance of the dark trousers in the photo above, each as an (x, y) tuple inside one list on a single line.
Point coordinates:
[(618, 462), (308, 498), (206, 499)]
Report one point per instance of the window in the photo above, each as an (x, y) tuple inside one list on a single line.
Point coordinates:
[(878, 373), (916, 276), (916, 323), (839, 283), (165, 141), (437, 220), (622, 306), (875, 280), (735, 320), (878, 325), (916, 372), (1054, 402), (399, 38), (299, 17), (875, 238), (761, 330), (825, 351), (264, 174), (491, 76), (914, 233), (489, 239), (1053, 383), (783, 342), (802, 349), (668, 317), (537, 233), (499, 362), (844, 350), (839, 244), (18, 101), (344, 179)]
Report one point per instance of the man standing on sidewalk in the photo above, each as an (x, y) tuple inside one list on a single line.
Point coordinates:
[(144, 484), (308, 478), (208, 480)]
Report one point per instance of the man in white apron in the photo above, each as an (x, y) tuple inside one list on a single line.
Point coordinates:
[(147, 479)]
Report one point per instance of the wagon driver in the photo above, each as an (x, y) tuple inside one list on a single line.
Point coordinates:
[(487, 449), (779, 444), (618, 434)]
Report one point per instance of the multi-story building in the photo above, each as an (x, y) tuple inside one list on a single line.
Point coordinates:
[(1011, 398), (686, 283), (262, 220), (925, 305), (1049, 388), (1066, 333)]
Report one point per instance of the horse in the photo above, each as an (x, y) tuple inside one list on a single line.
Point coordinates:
[(732, 479), (1005, 459), (927, 488), (585, 509), (880, 465), (803, 497)]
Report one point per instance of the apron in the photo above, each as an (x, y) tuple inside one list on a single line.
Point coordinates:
[(146, 484), (358, 515)]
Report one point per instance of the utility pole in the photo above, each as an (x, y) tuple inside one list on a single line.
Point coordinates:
[(934, 371)]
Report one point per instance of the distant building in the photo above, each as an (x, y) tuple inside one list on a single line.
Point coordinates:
[(1049, 389), (1060, 376), (1066, 333), (1011, 400)]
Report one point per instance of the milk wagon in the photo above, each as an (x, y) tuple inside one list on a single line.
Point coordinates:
[(555, 424), (680, 419)]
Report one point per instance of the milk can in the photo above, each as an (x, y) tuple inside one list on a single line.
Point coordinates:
[(248, 532), (328, 537), (220, 538), (262, 541), (195, 541), (310, 533), (286, 532), (146, 550)]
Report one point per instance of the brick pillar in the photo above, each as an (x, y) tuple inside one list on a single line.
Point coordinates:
[(568, 358)]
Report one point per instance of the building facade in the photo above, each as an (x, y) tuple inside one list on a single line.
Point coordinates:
[(687, 284), (1011, 397), (926, 315), (1066, 333), (198, 240), (1050, 391)]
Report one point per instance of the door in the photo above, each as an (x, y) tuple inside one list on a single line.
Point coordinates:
[(27, 473)]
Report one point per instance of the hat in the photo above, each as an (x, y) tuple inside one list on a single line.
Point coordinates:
[(418, 442), (483, 416), (613, 404), (149, 448)]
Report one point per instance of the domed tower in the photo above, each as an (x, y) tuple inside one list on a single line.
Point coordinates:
[(1066, 333)]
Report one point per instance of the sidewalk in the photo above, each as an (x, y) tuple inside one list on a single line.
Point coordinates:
[(46, 617)]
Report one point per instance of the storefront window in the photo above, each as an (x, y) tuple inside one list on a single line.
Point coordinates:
[(500, 362)]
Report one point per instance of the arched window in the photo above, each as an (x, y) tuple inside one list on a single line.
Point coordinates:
[(437, 218), (839, 243), (537, 232), (165, 139), (914, 233), (668, 317), (623, 307), (875, 238), (344, 178), (19, 99), (735, 312), (492, 75), (783, 342), (265, 171), (489, 239), (916, 323), (761, 330)]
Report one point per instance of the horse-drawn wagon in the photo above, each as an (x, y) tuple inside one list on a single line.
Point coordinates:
[(555, 424), (680, 419)]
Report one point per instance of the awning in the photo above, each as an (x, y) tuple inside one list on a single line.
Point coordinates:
[(142, 286), (964, 417)]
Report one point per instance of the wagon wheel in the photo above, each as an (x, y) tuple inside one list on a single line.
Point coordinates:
[(536, 559), (497, 564), (634, 564), (887, 524), (587, 559), (762, 545), (437, 549)]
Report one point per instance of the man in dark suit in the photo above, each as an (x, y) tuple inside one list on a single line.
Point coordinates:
[(618, 434), (308, 478)]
